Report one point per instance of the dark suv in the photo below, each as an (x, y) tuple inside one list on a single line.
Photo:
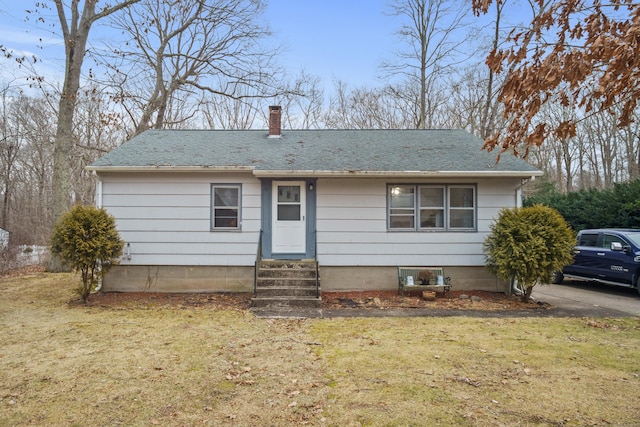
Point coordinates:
[(609, 256)]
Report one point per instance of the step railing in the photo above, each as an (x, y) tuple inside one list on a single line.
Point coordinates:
[(315, 256), (257, 264)]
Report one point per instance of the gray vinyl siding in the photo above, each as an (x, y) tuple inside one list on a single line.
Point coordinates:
[(352, 225), (166, 218)]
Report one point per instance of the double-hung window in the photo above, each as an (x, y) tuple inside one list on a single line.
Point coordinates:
[(462, 207), (402, 206), (431, 207), (225, 206)]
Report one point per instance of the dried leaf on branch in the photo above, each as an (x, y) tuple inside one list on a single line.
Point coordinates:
[(574, 53)]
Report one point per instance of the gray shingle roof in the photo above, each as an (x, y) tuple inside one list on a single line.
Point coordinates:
[(314, 152)]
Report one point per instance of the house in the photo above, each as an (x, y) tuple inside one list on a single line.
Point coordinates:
[(198, 208)]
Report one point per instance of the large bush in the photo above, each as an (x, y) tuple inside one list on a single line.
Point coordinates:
[(618, 207), (527, 245), (86, 239)]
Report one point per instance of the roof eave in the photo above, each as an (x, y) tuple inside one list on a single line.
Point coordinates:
[(320, 173), (395, 174), (167, 168)]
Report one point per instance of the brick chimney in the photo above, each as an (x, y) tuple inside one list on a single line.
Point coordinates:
[(275, 113)]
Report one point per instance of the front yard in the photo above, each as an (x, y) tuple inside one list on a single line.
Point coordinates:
[(146, 364)]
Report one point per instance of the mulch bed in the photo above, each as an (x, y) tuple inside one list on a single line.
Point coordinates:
[(128, 300), (369, 300), (460, 300)]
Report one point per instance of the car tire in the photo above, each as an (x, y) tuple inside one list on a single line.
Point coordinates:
[(557, 278)]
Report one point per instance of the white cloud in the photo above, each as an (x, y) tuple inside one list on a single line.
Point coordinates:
[(19, 36)]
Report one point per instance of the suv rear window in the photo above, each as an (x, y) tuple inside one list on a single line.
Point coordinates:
[(588, 239)]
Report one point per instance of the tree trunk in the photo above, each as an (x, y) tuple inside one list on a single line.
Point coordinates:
[(76, 34), (486, 122), (75, 42)]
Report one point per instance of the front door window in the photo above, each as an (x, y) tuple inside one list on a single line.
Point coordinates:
[(289, 226), (289, 203)]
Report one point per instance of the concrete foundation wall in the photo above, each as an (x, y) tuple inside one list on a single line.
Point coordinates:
[(336, 279), (138, 278), (240, 279)]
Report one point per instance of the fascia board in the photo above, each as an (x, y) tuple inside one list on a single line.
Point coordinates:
[(161, 168), (396, 174)]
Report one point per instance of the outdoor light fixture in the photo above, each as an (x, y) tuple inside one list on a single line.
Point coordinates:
[(311, 186)]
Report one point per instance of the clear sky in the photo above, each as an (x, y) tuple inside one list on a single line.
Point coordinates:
[(334, 39)]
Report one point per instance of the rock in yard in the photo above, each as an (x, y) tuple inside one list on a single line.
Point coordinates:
[(429, 295)]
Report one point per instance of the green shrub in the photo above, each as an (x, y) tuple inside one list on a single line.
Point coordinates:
[(528, 245), (618, 207), (86, 239)]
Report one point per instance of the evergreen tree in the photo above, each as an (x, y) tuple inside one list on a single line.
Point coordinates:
[(528, 245), (86, 239)]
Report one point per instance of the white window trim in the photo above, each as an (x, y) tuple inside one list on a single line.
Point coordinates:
[(447, 208), (212, 209)]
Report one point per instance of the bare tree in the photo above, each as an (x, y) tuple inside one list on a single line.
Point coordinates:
[(9, 149), (564, 150), (466, 105), (631, 138), (302, 103), (599, 155), (433, 35), (35, 199), (75, 25), (27, 177), (223, 112), (490, 108), (365, 108), (604, 148), (75, 20), (98, 130), (27, 126), (176, 50)]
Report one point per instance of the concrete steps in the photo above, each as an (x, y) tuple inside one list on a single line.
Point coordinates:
[(286, 284)]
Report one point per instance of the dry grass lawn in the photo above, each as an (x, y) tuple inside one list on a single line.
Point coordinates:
[(64, 364)]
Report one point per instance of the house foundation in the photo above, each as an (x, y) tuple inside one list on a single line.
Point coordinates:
[(140, 278), (347, 279), (167, 278)]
